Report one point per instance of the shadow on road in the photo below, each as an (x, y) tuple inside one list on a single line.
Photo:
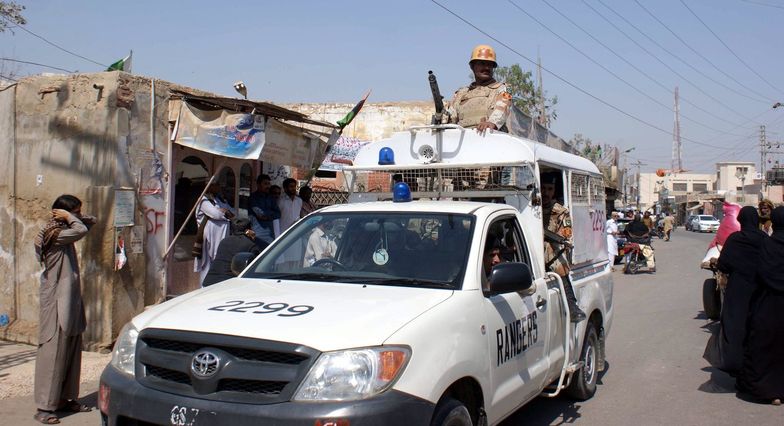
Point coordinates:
[(17, 358), (550, 411), (719, 382), (90, 400)]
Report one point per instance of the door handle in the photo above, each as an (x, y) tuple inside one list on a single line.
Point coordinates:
[(540, 301)]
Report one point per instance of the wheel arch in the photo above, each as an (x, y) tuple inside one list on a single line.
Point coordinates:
[(596, 320), (468, 391)]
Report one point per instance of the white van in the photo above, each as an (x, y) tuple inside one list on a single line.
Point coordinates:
[(384, 311)]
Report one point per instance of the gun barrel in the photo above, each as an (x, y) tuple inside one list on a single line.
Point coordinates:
[(437, 98)]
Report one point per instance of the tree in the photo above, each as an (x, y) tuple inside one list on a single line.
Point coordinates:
[(525, 95), (11, 15)]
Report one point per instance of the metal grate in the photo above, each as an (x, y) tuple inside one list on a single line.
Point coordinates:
[(450, 179), (168, 375), (328, 198), (241, 353), (597, 190), (579, 189), (251, 386)]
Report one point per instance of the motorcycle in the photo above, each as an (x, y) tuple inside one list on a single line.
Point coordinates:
[(713, 288), (635, 259)]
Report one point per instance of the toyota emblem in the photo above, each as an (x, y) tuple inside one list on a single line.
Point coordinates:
[(205, 364)]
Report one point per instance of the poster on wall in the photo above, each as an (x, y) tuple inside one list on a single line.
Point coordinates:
[(124, 207), (137, 239), (220, 132)]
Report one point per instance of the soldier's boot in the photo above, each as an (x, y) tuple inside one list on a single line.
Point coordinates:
[(575, 313)]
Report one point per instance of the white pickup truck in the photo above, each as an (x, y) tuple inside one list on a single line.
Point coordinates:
[(385, 312)]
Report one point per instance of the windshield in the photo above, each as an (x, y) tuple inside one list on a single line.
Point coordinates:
[(707, 218), (375, 248)]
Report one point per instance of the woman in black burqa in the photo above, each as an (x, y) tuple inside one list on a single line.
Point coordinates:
[(739, 259), (762, 374)]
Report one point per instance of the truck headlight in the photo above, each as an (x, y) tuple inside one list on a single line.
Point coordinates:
[(353, 374), (124, 354)]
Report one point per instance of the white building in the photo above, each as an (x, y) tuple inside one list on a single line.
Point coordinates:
[(654, 188)]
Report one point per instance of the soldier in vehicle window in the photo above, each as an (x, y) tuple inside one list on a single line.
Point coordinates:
[(557, 245), (491, 257), (485, 103)]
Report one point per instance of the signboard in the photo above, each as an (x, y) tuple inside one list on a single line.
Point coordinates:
[(124, 207), (342, 153), (220, 132)]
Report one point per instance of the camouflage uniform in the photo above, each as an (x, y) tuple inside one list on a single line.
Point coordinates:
[(558, 221), (474, 103)]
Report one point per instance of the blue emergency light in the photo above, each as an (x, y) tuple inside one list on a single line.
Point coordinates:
[(386, 156), (401, 193)]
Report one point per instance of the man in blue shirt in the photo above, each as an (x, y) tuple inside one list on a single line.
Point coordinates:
[(263, 209)]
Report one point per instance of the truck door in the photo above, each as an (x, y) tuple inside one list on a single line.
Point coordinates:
[(517, 329)]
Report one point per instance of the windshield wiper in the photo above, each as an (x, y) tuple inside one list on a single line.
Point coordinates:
[(313, 276), (406, 282)]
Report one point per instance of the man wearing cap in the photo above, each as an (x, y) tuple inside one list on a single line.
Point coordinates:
[(243, 239), (485, 103), (557, 220)]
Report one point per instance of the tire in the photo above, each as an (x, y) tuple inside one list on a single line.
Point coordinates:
[(583, 384), (451, 412), (633, 266), (711, 299)]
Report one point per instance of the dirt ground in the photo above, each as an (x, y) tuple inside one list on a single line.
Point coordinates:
[(17, 368)]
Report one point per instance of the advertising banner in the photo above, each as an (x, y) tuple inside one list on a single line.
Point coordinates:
[(220, 132)]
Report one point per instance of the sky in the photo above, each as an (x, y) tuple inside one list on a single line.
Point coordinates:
[(613, 64)]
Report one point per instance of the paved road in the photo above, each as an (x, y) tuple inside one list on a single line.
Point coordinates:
[(656, 374)]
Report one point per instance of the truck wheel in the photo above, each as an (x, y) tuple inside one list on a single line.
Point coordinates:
[(451, 412), (711, 299), (583, 384)]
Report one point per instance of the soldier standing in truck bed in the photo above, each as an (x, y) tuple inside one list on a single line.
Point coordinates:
[(485, 103)]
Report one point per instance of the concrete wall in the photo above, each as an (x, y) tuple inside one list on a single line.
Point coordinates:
[(726, 179), (86, 135)]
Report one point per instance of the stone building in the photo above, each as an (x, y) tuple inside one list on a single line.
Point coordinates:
[(114, 140)]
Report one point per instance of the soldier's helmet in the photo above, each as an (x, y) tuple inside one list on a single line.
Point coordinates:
[(483, 52)]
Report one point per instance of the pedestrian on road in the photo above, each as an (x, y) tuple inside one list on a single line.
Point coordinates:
[(762, 374), (739, 259), (765, 209), (290, 204), (213, 223), (61, 319), (611, 228), (669, 224)]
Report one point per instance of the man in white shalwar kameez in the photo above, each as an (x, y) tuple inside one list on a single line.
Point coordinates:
[(612, 245), (216, 229)]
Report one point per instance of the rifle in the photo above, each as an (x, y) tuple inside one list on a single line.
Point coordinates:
[(437, 99)]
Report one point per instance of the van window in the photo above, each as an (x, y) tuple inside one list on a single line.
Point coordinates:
[(580, 189)]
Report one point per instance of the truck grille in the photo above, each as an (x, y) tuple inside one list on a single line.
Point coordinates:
[(248, 370)]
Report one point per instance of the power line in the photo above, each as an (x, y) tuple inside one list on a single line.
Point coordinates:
[(638, 70), (697, 52), (53, 44), (764, 4), (652, 40), (666, 65), (728, 48), (36, 63), (565, 81), (8, 77)]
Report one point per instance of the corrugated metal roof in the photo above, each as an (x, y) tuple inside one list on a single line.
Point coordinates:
[(244, 105)]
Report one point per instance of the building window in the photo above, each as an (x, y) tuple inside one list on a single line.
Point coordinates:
[(739, 188), (700, 187), (679, 187)]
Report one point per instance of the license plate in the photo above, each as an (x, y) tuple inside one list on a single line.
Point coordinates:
[(183, 416)]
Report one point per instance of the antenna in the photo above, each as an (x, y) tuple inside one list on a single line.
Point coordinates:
[(677, 163)]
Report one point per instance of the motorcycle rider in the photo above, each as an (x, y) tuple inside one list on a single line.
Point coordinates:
[(637, 232)]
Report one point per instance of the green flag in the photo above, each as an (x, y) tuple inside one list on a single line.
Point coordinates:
[(123, 64), (353, 113)]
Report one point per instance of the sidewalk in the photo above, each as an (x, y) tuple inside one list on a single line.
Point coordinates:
[(17, 373)]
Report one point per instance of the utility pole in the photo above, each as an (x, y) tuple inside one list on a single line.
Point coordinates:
[(763, 150), (637, 164)]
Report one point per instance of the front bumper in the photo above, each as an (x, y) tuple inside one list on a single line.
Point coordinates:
[(130, 403)]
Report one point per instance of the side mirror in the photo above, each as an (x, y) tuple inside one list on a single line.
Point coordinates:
[(510, 277), (240, 261)]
